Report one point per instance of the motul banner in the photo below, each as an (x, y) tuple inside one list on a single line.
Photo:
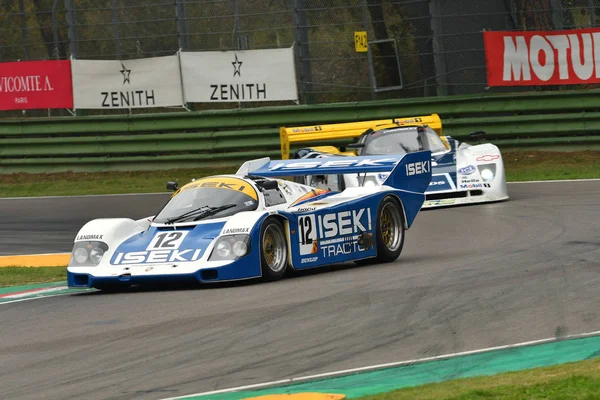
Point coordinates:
[(143, 83), (543, 58), (239, 76), (27, 85)]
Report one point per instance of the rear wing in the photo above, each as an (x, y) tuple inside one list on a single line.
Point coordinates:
[(347, 130), (410, 171)]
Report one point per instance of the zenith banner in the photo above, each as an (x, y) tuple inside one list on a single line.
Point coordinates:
[(239, 76), (569, 57), (143, 83), (27, 85)]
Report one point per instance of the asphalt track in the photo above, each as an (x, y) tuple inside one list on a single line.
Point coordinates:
[(469, 278)]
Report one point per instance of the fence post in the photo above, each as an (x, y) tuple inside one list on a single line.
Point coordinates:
[(369, 52), (438, 51), (182, 36), (72, 24), (116, 30), (302, 50), (557, 14), (24, 28)]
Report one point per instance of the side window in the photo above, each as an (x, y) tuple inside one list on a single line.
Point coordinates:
[(273, 197)]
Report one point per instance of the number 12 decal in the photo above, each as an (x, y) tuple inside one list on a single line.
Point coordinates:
[(307, 232), (167, 240)]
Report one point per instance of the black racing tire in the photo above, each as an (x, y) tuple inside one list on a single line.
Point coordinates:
[(273, 250), (390, 230)]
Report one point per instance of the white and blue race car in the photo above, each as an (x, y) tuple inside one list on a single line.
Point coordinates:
[(253, 225)]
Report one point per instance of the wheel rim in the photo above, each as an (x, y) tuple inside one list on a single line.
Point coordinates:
[(391, 227), (274, 248)]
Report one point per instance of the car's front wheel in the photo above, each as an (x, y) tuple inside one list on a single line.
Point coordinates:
[(390, 230), (273, 250)]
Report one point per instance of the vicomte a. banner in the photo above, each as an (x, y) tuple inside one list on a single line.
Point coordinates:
[(35, 85), (142, 83), (239, 76), (567, 57)]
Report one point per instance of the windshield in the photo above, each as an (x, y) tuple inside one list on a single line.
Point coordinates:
[(402, 140), (210, 193)]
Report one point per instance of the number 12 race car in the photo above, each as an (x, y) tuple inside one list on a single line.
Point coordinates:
[(462, 173), (249, 225)]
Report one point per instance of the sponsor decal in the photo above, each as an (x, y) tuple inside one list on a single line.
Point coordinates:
[(542, 57), (233, 231), (472, 186), (442, 202), (307, 129), (488, 157), (472, 180), (435, 183), (305, 209), (309, 260), (29, 85), (468, 170), (235, 184), (157, 256), (344, 163), (337, 225), (89, 237), (408, 121), (417, 168)]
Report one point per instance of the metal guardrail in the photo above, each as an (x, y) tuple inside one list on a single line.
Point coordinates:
[(221, 138)]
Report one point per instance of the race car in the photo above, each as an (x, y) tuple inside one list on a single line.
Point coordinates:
[(254, 225), (462, 173)]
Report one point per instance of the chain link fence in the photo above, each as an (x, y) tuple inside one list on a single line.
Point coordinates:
[(418, 47)]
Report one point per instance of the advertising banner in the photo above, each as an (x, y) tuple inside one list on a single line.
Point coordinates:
[(143, 83), (239, 76), (27, 85), (569, 57)]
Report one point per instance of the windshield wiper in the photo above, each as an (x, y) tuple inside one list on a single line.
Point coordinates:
[(213, 210), (204, 211)]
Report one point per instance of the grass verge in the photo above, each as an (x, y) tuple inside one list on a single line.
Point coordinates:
[(18, 276), (519, 166), (574, 381)]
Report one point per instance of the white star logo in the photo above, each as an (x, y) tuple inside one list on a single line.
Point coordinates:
[(236, 67)]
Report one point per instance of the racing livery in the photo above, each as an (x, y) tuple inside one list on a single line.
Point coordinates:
[(462, 173), (254, 224)]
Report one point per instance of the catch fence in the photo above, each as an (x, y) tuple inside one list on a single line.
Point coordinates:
[(420, 48)]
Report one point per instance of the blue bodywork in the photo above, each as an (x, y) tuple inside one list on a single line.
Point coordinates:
[(319, 236)]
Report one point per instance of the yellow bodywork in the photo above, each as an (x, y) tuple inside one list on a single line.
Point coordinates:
[(349, 130)]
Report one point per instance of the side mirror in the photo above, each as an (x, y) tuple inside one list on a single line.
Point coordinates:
[(173, 186), (356, 145), (269, 185), (477, 134)]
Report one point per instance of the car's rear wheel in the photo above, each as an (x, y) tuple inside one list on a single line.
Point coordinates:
[(390, 230), (273, 250)]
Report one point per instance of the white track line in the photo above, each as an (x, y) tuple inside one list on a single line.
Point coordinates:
[(84, 195), (559, 181), (381, 366), (158, 193), (32, 298)]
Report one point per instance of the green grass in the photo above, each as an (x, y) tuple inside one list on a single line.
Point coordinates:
[(18, 276), (519, 166), (573, 381)]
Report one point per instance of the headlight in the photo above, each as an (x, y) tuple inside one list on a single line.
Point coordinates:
[(230, 247), (80, 255), (487, 172), (223, 249), (240, 249), (87, 254)]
